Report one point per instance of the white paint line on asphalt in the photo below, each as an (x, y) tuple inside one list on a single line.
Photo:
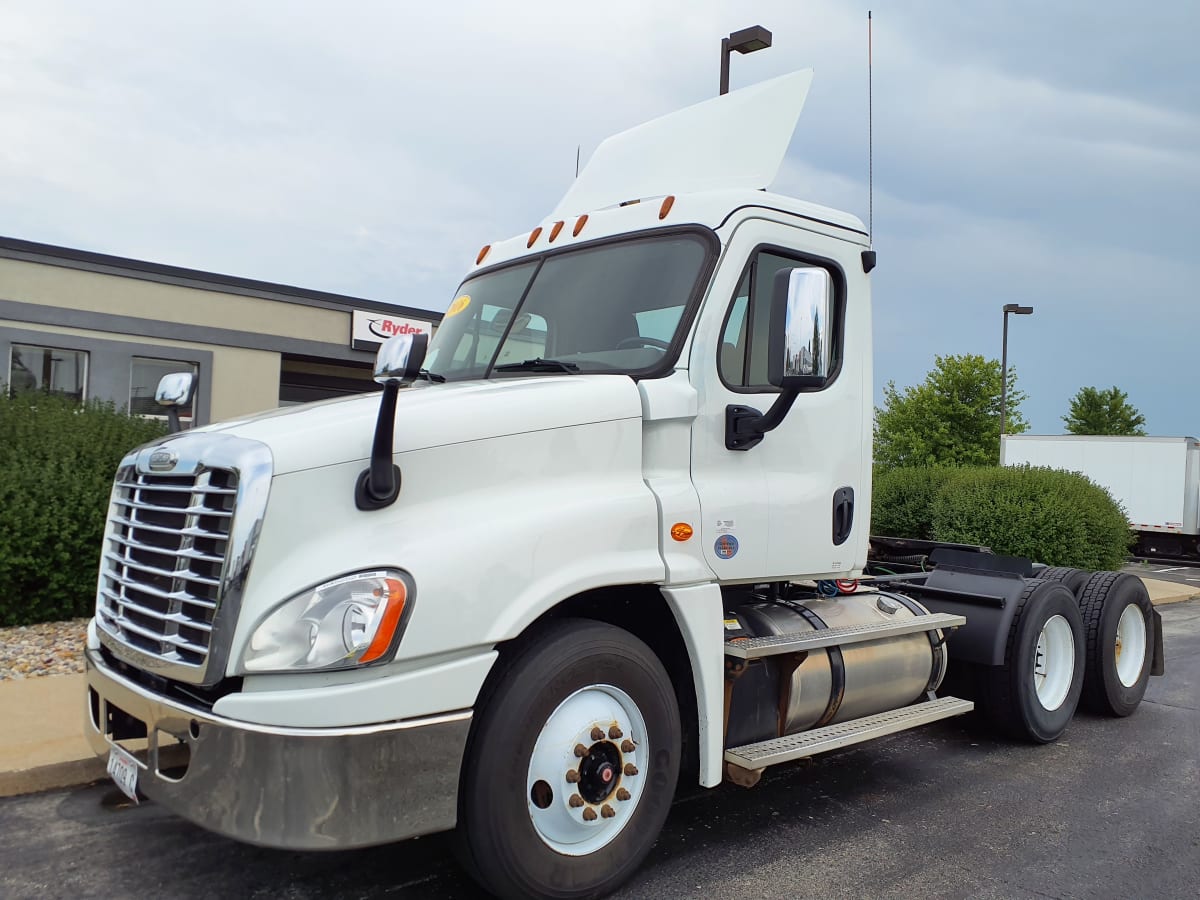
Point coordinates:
[(1175, 569)]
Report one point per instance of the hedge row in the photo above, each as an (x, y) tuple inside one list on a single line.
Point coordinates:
[(57, 461), (1053, 517)]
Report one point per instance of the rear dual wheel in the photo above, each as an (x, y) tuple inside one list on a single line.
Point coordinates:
[(571, 765), (1118, 624), (1034, 694)]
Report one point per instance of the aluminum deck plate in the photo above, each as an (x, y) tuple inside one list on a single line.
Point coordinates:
[(754, 648), (831, 737)]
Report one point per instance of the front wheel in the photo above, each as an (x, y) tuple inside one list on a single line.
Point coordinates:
[(1033, 695), (572, 763)]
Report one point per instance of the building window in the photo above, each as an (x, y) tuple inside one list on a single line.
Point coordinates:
[(50, 369), (144, 375)]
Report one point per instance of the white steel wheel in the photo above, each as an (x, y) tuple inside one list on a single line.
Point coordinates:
[(1130, 648), (587, 771), (1054, 662)]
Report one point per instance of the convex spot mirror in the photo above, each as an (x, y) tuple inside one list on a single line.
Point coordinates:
[(399, 358), (799, 349), (175, 390)]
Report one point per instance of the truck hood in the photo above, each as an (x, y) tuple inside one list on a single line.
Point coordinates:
[(433, 415)]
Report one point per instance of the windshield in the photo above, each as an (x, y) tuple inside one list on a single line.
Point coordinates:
[(616, 307)]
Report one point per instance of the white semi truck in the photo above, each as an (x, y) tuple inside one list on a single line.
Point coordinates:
[(1155, 479), (605, 535)]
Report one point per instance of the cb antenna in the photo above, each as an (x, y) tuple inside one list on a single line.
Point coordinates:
[(870, 144), (577, 146)]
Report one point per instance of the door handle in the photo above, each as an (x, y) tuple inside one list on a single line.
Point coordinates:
[(843, 514)]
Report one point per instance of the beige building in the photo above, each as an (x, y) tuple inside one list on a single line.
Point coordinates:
[(104, 327)]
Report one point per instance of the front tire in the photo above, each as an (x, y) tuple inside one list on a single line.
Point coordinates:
[(1033, 695), (571, 765), (1119, 628)]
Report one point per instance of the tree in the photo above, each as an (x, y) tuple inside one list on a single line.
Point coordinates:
[(1103, 412), (952, 418)]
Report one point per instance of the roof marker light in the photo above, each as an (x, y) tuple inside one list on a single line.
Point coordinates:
[(533, 236), (482, 253), (579, 223), (555, 230), (667, 203)]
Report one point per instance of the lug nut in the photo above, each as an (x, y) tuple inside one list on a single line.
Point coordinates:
[(614, 732), (576, 801), (627, 746), (597, 733), (623, 794), (607, 811), (572, 776), (580, 751), (589, 815), (630, 769)]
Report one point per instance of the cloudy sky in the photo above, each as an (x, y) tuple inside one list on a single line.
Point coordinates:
[(1031, 152)]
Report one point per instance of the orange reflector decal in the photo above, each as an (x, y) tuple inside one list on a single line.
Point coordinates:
[(397, 594), (533, 236), (579, 223), (482, 253), (681, 531), (555, 230), (667, 203)]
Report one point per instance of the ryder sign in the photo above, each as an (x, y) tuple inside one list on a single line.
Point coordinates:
[(369, 329)]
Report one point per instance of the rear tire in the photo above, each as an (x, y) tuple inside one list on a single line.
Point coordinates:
[(1033, 695), (1119, 634), (1074, 579), (537, 819)]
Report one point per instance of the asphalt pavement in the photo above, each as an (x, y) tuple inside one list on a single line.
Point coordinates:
[(1110, 810)]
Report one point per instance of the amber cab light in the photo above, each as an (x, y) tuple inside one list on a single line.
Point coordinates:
[(579, 223), (681, 531)]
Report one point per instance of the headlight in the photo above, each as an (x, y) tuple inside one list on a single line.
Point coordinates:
[(351, 621)]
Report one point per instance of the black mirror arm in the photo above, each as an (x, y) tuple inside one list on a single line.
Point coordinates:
[(745, 426), (379, 484)]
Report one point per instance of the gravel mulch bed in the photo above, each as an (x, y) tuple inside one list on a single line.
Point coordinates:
[(53, 648)]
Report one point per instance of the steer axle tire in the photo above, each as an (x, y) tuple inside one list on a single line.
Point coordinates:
[(1119, 632), (1033, 695), (571, 765)]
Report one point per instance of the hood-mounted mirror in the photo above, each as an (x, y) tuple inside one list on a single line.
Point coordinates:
[(175, 391), (398, 362)]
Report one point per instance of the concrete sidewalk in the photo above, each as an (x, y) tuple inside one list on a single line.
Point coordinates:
[(42, 745)]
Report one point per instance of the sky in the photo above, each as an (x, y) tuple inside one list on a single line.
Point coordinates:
[(1046, 154)]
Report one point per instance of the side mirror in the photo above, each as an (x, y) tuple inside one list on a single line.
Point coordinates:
[(174, 391), (399, 359), (398, 362), (798, 344)]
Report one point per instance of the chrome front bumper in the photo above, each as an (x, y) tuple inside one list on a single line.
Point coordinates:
[(294, 788)]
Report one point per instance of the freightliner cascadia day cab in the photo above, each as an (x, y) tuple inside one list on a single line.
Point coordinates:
[(607, 534)]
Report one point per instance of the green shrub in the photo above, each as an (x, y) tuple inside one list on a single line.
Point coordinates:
[(1058, 518), (902, 501), (57, 461)]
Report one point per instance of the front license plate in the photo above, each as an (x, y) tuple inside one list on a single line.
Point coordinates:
[(124, 771)]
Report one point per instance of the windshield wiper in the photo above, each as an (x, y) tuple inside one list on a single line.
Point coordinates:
[(431, 376), (538, 365)]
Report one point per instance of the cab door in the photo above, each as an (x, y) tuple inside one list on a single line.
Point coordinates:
[(796, 503)]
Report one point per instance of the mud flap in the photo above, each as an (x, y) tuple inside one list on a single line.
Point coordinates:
[(1158, 665)]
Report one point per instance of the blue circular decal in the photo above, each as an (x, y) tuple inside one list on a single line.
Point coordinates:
[(726, 546)]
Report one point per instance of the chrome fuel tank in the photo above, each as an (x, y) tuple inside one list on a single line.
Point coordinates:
[(839, 683)]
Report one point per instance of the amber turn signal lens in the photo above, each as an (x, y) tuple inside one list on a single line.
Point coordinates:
[(397, 594), (681, 531)]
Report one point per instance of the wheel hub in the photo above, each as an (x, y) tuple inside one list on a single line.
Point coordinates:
[(586, 771)]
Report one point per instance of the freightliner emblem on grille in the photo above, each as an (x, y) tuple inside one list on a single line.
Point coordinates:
[(161, 460)]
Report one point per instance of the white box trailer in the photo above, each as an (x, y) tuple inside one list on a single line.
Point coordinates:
[(1156, 479)]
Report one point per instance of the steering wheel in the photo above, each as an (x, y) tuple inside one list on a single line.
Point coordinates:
[(640, 341)]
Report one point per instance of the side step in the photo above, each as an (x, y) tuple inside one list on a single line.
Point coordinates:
[(831, 737), (754, 648)]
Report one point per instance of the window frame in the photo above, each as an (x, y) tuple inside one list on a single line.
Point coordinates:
[(838, 326), (188, 419)]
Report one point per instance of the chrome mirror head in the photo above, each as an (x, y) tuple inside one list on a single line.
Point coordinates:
[(175, 389), (399, 358), (801, 325)]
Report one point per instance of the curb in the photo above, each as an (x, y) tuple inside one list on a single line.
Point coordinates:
[(71, 774)]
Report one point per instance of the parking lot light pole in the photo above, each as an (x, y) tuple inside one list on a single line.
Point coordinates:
[(745, 41), (1019, 311)]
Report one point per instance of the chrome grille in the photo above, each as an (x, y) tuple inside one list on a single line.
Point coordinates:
[(164, 559)]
